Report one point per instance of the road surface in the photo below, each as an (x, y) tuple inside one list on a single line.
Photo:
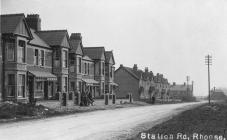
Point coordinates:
[(98, 125)]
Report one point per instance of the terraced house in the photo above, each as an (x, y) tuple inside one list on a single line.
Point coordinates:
[(81, 69), (35, 62), (110, 85), (90, 66), (15, 35), (97, 54), (141, 84)]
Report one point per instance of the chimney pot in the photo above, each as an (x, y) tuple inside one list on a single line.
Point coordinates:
[(33, 21), (135, 68), (146, 69), (76, 36)]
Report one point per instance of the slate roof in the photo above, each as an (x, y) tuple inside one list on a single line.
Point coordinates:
[(108, 55), (9, 23), (37, 40), (139, 73), (53, 37), (94, 52), (180, 87)]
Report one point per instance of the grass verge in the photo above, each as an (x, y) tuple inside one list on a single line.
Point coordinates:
[(10, 111), (206, 122)]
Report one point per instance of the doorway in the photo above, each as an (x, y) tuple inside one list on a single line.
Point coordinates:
[(46, 90)]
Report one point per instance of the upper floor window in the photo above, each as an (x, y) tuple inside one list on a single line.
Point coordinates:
[(71, 59), (65, 59), (85, 68), (79, 61), (42, 59), (111, 72), (103, 87), (21, 51), (103, 68), (36, 57), (88, 71), (10, 51), (57, 54)]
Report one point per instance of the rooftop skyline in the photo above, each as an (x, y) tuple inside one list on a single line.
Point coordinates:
[(170, 37)]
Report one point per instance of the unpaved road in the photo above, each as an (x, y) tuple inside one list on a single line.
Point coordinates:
[(98, 125)]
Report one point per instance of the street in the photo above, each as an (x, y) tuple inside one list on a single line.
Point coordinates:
[(97, 125)]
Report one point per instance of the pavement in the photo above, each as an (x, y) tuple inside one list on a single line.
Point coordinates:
[(98, 125)]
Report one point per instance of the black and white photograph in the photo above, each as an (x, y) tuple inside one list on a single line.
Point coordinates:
[(113, 70)]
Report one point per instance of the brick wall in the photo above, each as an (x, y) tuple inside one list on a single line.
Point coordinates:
[(127, 84)]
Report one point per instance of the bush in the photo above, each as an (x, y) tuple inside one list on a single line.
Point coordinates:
[(188, 99), (10, 110)]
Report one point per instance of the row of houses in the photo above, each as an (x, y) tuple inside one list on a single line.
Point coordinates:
[(141, 84), (144, 84), (44, 62)]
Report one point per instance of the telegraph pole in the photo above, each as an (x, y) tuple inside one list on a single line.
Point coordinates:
[(188, 79), (208, 62)]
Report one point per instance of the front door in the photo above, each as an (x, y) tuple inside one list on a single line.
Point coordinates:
[(30, 88), (45, 89), (50, 90)]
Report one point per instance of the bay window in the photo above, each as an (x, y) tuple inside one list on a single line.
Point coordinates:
[(21, 85), (65, 84), (39, 86), (42, 59), (11, 84), (10, 50), (103, 68), (88, 71), (78, 64), (36, 57), (85, 68), (65, 59), (21, 51)]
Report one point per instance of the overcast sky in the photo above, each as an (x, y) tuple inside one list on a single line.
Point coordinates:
[(168, 36)]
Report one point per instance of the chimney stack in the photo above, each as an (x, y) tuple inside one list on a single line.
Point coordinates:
[(34, 21), (146, 69), (135, 68), (76, 36)]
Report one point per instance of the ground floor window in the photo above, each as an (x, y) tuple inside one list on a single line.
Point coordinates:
[(80, 86), (11, 85), (21, 85), (72, 86), (39, 86), (65, 84), (107, 88), (103, 87)]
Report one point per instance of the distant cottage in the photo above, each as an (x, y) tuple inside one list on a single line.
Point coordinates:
[(141, 84), (183, 92)]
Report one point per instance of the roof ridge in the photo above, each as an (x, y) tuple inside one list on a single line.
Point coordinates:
[(93, 47), (16, 14), (60, 30)]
